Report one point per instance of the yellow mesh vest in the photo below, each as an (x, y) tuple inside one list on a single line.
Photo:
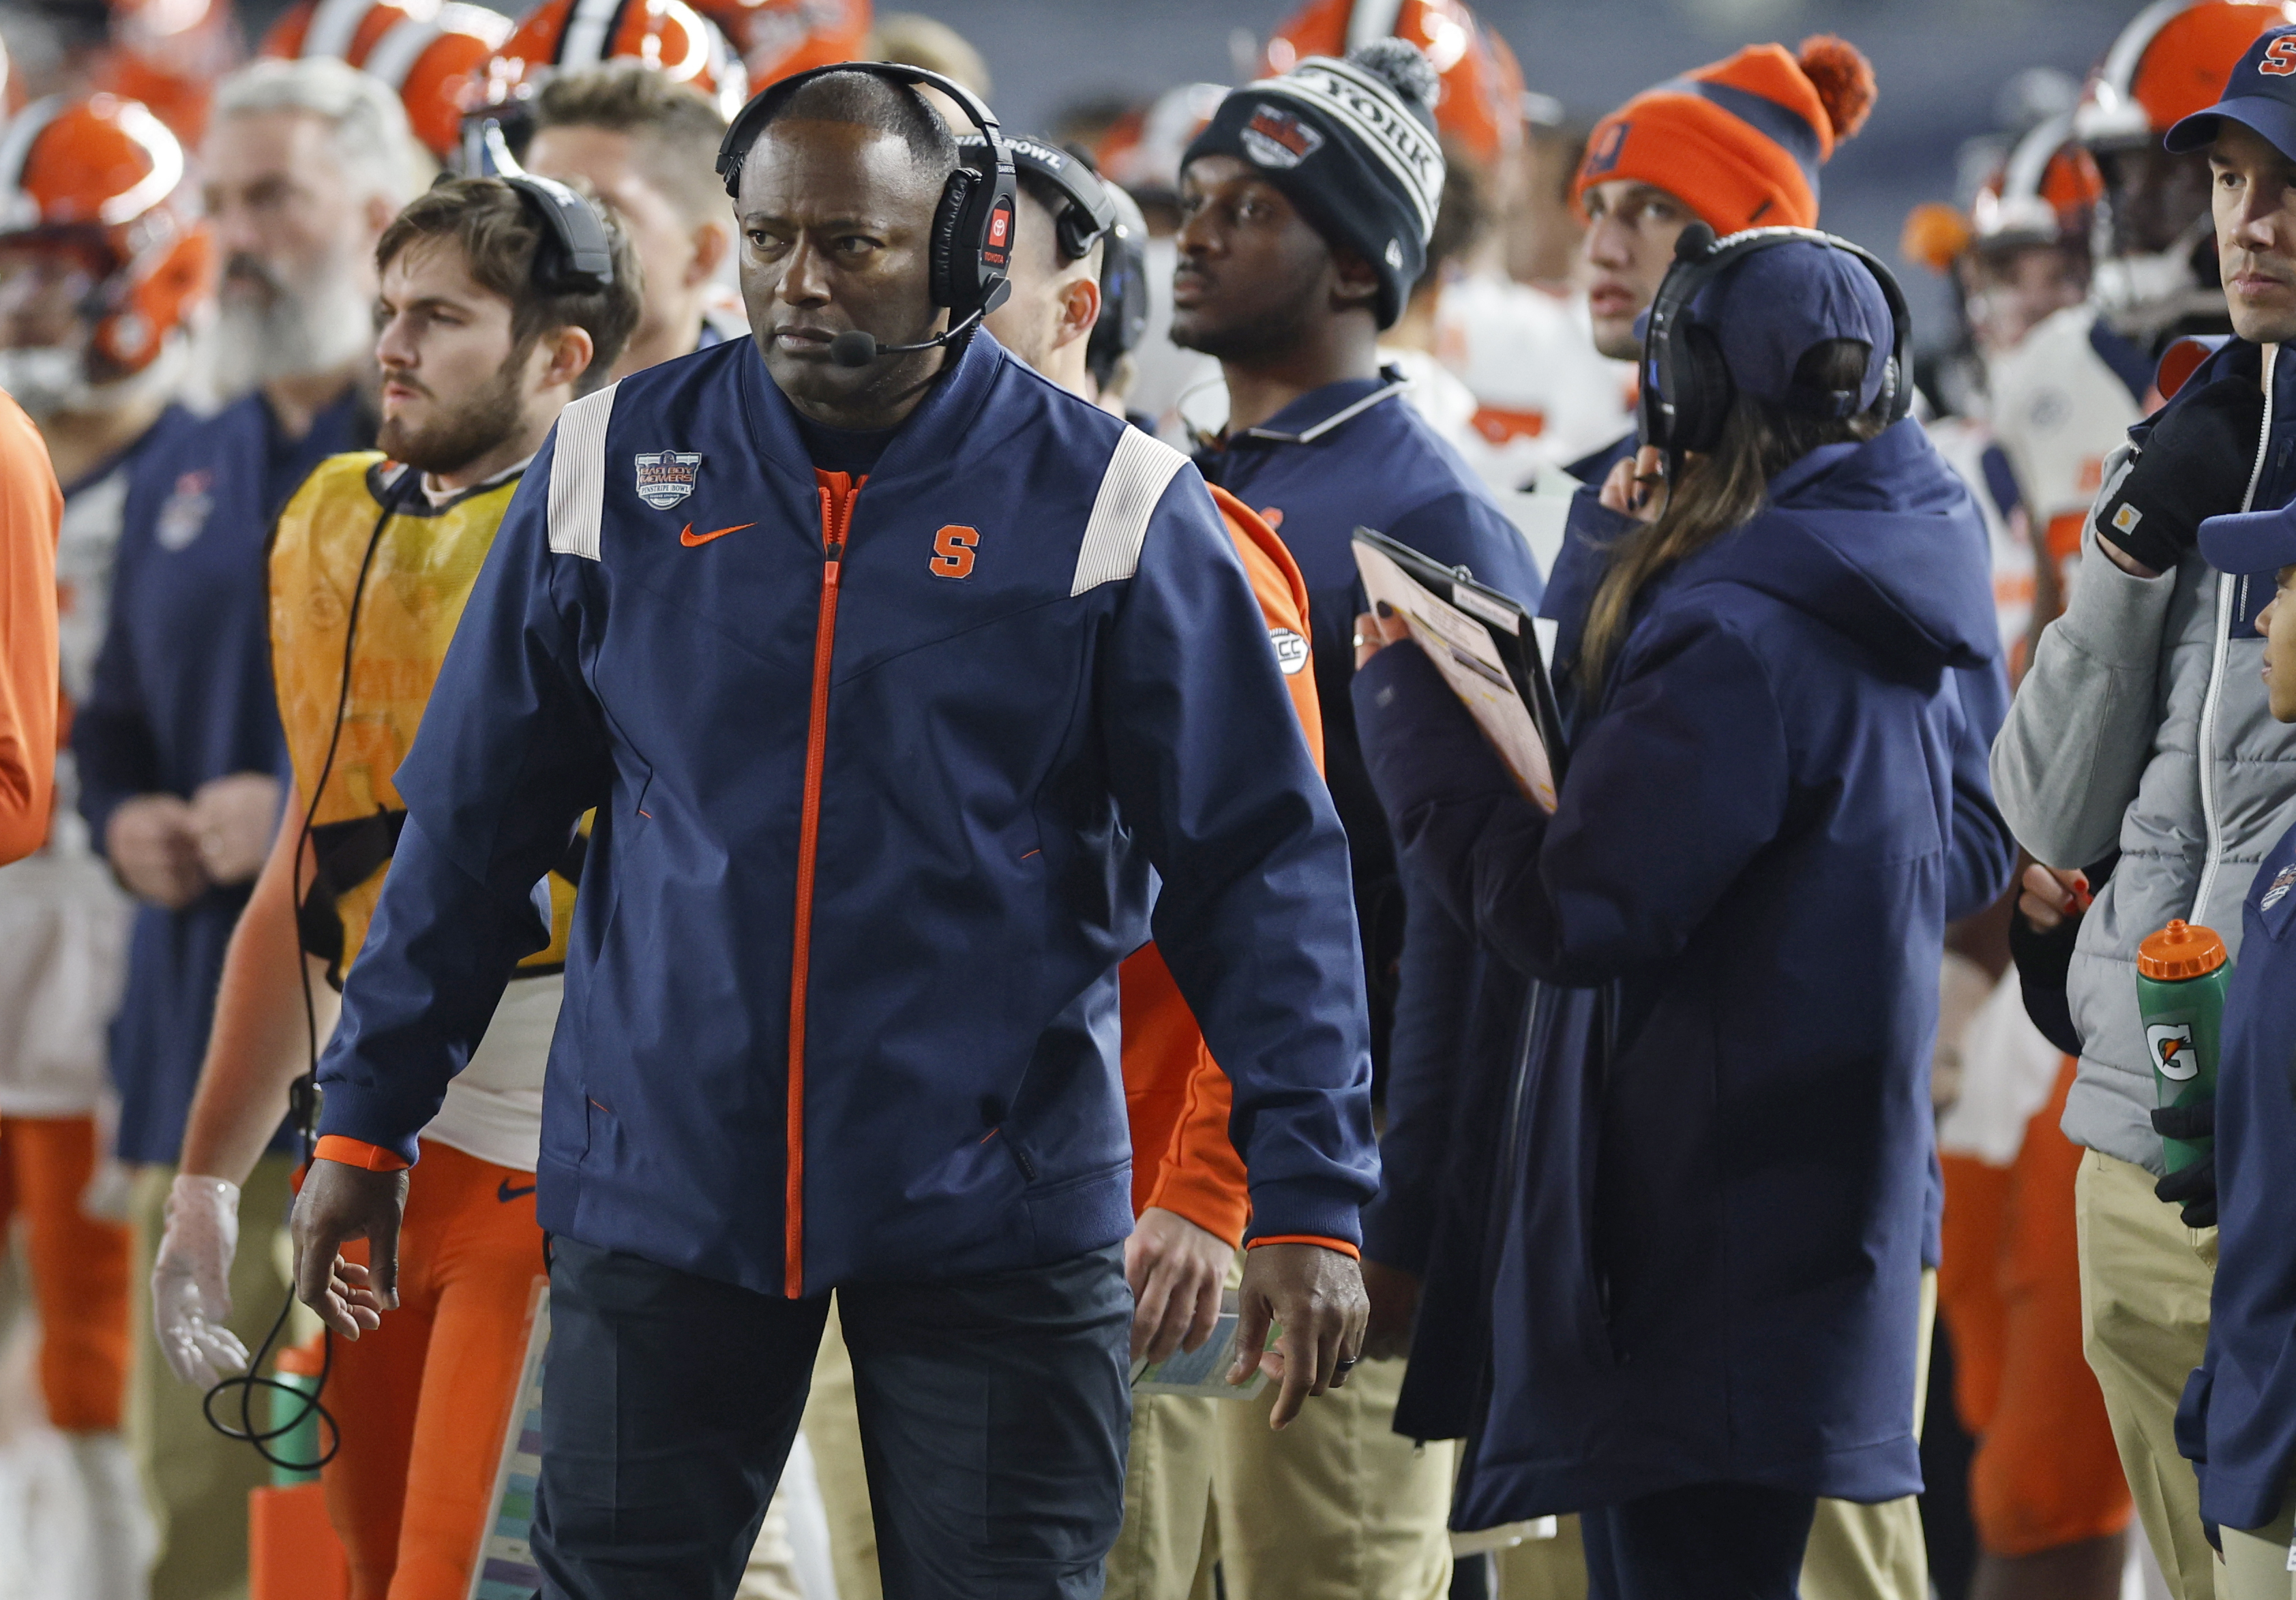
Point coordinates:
[(426, 558)]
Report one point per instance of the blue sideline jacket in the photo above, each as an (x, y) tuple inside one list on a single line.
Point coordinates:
[(842, 1000), (182, 694), (1350, 455), (2237, 1422), (1714, 1215)]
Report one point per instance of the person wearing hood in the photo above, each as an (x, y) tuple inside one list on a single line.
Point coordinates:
[(1775, 801)]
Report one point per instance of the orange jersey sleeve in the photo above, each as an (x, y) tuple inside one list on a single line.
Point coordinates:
[(31, 668), (1176, 1096)]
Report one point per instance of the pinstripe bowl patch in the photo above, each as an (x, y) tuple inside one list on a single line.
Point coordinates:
[(666, 478)]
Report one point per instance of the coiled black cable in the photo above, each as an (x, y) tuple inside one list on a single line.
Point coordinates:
[(303, 1099)]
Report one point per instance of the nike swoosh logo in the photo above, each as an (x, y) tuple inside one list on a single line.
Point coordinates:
[(689, 538), (505, 1193)]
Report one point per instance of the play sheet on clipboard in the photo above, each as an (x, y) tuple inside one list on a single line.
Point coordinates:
[(1487, 648)]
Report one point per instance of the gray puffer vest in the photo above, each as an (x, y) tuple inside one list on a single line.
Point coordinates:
[(2144, 726)]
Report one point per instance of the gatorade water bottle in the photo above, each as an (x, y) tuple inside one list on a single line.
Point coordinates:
[(2181, 974)]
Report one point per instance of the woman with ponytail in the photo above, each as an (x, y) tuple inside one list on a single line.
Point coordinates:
[(1715, 1199)]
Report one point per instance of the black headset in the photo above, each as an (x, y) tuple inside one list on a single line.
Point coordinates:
[(1123, 289), (972, 226), (1686, 387), (1087, 214), (575, 256)]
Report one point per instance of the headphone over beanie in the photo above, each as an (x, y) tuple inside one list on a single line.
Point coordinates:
[(1352, 144), (1741, 142)]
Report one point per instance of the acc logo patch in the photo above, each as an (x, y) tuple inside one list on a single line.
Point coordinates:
[(2173, 1054), (183, 514), (666, 478), (2278, 892), (1276, 138), (1291, 651)]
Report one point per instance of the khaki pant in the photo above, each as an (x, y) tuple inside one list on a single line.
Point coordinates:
[(1337, 1505), (1544, 1568), (832, 1433), (1168, 1499), (2145, 1326), (197, 1480), (2255, 1565), (1876, 1552)]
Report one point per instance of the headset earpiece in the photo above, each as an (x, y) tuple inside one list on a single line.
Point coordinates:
[(576, 254), (947, 225), (1707, 396)]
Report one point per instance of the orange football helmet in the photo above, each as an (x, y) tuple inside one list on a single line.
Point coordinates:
[(2171, 60), (780, 38), (101, 179), (2044, 194), (1481, 104), (167, 55), (426, 53), (667, 35)]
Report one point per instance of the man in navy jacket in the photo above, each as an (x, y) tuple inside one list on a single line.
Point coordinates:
[(875, 677)]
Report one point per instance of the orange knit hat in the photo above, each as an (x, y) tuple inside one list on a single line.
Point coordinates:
[(1740, 142)]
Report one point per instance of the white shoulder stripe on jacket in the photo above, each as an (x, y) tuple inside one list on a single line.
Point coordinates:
[(1137, 474), (577, 474)]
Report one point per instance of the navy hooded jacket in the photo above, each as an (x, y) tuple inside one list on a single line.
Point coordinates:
[(870, 767), (2237, 1422), (1710, 1268)]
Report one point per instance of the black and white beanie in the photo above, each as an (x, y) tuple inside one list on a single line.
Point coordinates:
[(1352, 144)]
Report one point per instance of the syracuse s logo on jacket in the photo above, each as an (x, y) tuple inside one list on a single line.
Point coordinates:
[(2174, 1056), (666, 478), (953, 549)]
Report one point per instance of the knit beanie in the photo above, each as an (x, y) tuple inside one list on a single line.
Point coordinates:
[(1740, 142), (1352, 144)]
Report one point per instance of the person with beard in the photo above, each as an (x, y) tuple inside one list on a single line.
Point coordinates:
[(92, 343), (178, 742), (488, 328), (1309, 201)]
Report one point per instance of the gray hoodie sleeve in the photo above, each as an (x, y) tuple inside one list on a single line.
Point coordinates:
[(2068, 760)]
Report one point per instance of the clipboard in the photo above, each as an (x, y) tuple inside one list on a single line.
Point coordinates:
[(1490, 650)]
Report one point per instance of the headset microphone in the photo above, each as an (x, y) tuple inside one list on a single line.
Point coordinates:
[(859, 348)]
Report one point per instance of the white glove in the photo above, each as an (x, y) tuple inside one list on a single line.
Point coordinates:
[(190, 1281)]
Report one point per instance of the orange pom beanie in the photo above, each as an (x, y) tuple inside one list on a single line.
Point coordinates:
[(1740, 142)]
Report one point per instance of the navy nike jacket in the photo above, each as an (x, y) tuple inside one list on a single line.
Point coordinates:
[(869, 762)]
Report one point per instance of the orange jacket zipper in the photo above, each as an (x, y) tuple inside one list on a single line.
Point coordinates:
[(837, 491)]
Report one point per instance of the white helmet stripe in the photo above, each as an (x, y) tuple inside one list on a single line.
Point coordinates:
[(395, 54), (19, 209), (166, 167), (1369, 20), (334, 24), (589, 32), (2128, 52)]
